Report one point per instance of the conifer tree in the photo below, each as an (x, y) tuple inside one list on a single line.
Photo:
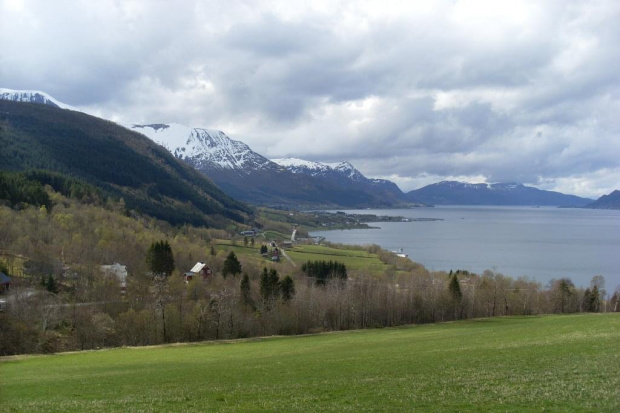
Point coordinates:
[(51, 285), (455, 289), (265, 288), (232, 266), (287, 288), (246, 293), (159, 258), (269, 284)]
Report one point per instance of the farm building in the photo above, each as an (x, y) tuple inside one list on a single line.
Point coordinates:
[(116, 270), (199, 269)]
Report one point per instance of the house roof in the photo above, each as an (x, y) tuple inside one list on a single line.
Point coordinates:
[(198, 267), (4, 279)]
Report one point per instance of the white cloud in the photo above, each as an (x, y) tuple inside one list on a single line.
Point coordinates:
[(419, 91)]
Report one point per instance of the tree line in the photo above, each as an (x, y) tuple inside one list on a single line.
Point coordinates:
[(84, 308)]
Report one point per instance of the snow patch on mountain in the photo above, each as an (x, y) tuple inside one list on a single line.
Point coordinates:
[(349, 171), (203, 147), (301, 166), (32, 96), (298, 166)]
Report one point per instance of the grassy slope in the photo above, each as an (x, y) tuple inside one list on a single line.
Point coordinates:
[(558, 363)]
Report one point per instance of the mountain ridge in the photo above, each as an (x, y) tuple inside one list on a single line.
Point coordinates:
[(510, 193), (33, 96), (292, 182)]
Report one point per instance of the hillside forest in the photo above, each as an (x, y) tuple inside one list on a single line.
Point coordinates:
[(54, 242)]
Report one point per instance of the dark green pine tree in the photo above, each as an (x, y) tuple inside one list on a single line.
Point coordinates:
[(274, 283), (159, 258), (455, 292), (455, 289), (269, 285), (51, 285), (265, 288), (287, 288), (246, 293), (232, 266)]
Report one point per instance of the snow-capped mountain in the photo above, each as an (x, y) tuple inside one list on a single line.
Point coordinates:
[(204, 148), (32, 96), (344, 173), (301, 166), (249, 176)]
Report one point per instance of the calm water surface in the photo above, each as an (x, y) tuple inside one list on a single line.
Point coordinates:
[(542, 243)]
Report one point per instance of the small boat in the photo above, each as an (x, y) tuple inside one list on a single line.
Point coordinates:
[(400, 253)]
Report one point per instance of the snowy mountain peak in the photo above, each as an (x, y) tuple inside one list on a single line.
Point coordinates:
[(350, 171), (201, 147), (301, 166), (32, 96)]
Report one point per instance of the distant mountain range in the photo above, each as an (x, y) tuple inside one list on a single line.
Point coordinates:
[(250, 177), (462, 193)]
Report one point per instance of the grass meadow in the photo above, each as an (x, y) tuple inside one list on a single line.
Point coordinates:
[(550, 363), (355, 260)]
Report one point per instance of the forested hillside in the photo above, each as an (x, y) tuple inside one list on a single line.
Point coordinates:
[(62, 298), (121, 163)]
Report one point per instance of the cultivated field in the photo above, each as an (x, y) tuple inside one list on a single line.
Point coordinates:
[(352, 258), (551, 363)]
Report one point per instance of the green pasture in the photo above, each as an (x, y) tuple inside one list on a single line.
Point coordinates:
[(355, 260), (548, 363)]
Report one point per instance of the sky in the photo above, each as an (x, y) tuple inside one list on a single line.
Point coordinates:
[(412, 91)]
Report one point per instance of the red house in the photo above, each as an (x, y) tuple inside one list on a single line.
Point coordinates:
[(199, 269)]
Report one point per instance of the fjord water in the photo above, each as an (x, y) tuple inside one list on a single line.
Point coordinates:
[(541, 243)]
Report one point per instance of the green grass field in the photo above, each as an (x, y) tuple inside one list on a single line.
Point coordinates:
[(550, 363), (354, 259)]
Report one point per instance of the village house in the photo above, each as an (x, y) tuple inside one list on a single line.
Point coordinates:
[(199, 269), (116, 270), (5, 282)]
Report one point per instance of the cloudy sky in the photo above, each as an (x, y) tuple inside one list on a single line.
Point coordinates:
[(412, 91)]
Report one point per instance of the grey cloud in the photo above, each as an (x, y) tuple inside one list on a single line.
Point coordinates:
[(529, 97)]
